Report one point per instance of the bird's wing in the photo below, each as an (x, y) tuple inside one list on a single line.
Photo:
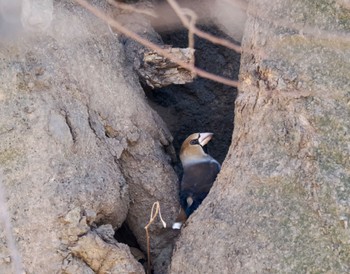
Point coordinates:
[(196, 183)]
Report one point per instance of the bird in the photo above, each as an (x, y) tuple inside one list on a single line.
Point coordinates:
[(199, 173)]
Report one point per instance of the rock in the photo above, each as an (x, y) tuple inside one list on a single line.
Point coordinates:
[(75, 225), (63, 170), (106, 233), (283, 188), (105, 258), (158, 71), (146, 168), (73, 265)]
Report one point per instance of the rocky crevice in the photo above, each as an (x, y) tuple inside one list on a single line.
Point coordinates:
[(80, 141), (196, 107)]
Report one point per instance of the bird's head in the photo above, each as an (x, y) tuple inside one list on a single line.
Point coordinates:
[(192, 148)]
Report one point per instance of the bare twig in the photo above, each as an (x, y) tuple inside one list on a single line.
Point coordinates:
[(215, 40), (154, 213), (179, 12), (5, 219), (191, 28), (153, 46)]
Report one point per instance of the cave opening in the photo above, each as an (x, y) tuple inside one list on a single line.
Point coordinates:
[(203, 105), (200, 106)]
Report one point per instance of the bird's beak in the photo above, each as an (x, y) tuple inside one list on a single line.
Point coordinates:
[(205, 138)]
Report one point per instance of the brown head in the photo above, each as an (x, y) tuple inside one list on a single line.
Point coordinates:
[(192, 148)]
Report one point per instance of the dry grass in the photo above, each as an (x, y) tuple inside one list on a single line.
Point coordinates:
[(155, 211)]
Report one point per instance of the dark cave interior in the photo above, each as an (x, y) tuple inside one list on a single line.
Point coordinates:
[(203, 105), (200, 106)]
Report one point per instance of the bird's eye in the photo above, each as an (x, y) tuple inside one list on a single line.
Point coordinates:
[(194, 142)]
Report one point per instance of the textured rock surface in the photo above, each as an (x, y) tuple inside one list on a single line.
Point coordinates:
[(281, 202), (103, 257), (76, 136)]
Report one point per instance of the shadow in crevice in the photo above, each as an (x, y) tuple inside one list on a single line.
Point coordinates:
[(203, 105), (126, 236)]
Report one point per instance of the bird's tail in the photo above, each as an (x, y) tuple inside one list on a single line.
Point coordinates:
[(180, 220), (190, 205)]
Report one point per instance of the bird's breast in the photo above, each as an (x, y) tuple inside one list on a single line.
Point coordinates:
[(199, 177)]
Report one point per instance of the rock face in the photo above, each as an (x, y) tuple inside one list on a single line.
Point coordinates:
[(81, 152), (76, 138), (281, 202), (102, 257)]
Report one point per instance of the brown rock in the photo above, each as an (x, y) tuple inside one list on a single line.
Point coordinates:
[(63, 170), (277, 204), (105, 258)]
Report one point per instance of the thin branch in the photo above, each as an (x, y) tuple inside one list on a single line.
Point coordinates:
[(192, 24), (179, 12), (98, 13), (191, 28), (215, 40)]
